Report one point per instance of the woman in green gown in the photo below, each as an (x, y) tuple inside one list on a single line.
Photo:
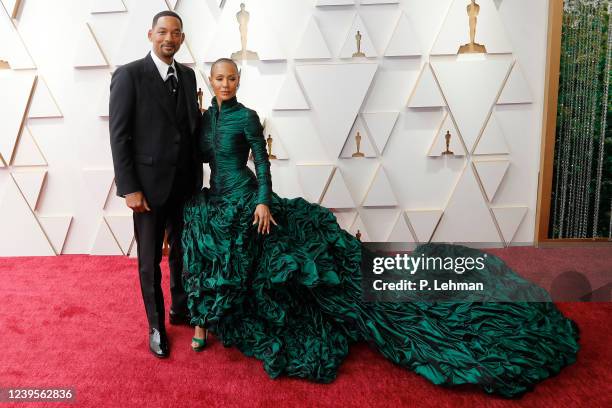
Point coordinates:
[(279, 279)]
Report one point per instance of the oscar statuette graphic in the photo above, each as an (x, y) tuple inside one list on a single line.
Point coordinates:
[(243, 17), (358, 143), (358, 53), (358, 235), (269, 141), (447, 137), (200, 96), (472, 47)]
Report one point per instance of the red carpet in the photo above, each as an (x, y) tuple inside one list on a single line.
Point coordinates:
[(79, 321)]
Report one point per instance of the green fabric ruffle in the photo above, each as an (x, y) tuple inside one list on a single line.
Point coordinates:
[(293, 300)]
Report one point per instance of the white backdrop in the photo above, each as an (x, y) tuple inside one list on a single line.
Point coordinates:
[(56, 180)]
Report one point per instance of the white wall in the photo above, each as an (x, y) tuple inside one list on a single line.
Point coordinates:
[(407, 189)]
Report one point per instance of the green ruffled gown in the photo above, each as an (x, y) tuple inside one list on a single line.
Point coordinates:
[(293, 298)]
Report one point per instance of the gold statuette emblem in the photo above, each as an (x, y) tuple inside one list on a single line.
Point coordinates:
[(243, 17), (358, 53), (269, 143), (447, 136), (358, 143), (472, 47)]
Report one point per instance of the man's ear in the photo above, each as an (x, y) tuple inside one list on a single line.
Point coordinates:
[(182, 37), (149, 34)]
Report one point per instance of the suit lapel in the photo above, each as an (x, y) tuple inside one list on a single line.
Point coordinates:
[(160, 92), (188, 92)]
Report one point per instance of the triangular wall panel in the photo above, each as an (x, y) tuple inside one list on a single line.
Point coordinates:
[(492, 140), (290, 95), (314, 179), (424, 223), (380, 193), (337, 194), (88, 52), (56, 229), (30, 184), (516, 89), (380, 125), (278, 147), (358, 175), (122, 227), (467, 217), (404, 42), (359, 227), (105, 243), (13, 48), (21, 234), (350, 44), (27, 152), (379, 222), (172, 4), (322, 83), (365, 144), (13, 109), (438, 145), (103, 105), (401, 231), (184, 55), (426, 93), (312, 45), (299, 137), (12, 7), (491, 173), (345, 218), (43, 103), (509, 219), (482, 79), (99, 182)]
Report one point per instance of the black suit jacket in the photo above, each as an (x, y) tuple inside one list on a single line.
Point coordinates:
[(145, 134)]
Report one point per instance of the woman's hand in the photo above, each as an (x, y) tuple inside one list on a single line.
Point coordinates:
[(262, 218)]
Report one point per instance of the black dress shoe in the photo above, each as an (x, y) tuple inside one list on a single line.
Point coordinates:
[(158, 343), (179, 318)]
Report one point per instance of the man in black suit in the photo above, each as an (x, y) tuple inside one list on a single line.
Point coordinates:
[(154, 117)]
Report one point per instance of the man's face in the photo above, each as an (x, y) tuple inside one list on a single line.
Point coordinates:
[(166, 36)]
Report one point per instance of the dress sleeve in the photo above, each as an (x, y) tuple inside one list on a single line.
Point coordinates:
[(255, 138), (205, 150)]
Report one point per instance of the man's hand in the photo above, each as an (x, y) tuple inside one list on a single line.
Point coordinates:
[(137, 202)]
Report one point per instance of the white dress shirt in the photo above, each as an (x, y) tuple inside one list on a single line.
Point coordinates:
[(162, 67)]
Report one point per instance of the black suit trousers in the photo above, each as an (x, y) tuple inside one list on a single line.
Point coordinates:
[(149, 228)]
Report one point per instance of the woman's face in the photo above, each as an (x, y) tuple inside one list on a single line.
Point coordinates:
[(224, 80)]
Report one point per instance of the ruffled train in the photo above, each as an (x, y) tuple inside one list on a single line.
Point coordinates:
[(293, 300)]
